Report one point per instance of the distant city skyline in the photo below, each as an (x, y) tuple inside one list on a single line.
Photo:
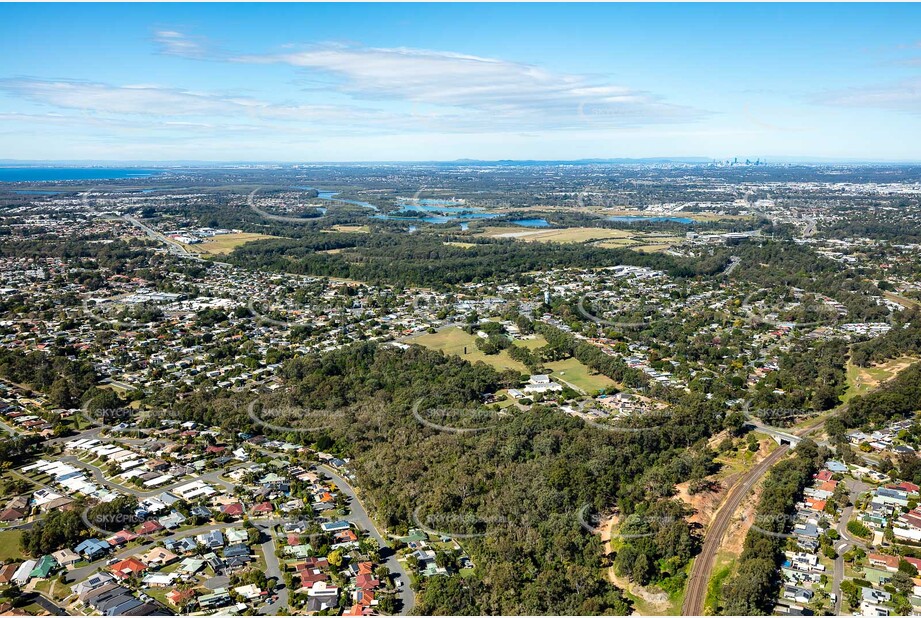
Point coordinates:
[(427, 82)]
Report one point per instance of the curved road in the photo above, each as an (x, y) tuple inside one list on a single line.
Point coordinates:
[(213, 477), (273, 566), (359, 516)]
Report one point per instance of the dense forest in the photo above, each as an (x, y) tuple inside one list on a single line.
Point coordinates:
[(63, 379), (784, 266), (520, 483), (422, 260)]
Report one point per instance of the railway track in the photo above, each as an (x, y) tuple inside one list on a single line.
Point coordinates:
[(703, 565), (700, 572)]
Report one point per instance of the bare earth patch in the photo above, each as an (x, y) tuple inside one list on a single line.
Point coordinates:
[(657, 600)]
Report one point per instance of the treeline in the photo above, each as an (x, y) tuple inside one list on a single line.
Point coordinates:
[(903, 340), (898, 398), (894, 225), (57, 529), (612, 366), (424, 260), (753, 589), (520, 481), (781, 266), (658, 542), (63, 379), (811, 378)]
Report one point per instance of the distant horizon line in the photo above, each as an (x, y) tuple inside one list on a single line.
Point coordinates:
[(741, 160)]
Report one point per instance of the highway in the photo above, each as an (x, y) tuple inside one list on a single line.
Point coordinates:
[(174, 247)]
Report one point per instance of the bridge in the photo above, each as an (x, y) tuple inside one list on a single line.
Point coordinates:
[(781, 437)]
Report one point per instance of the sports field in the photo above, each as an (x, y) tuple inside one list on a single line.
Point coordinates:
[(454, 341), (349, 229), (575, 373), (225, 243), (568, 234)]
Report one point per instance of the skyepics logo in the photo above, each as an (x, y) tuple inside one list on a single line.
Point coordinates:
[(129, 310), (295, 419), (634, 526), (783, 526), (455, 420), (300, 529), (586, 309), (807, 311), (108, 524), (774, 416), (251, 202), (458, 525), (589, 519), (110, 416), (114, 417), (596, 199), (311, 313), (635, 421)]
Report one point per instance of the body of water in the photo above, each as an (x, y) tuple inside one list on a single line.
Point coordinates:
[(532, 222), (331, 196), (53, 174), (443, 208), (631, 219)]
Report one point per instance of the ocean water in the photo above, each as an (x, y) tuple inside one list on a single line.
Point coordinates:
[(52, 174)]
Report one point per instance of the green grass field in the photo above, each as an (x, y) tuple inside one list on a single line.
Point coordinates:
[(453, 341), (9, 545), (862, 380), (532, 344), (225, 243), (580, 376), (722, 569)]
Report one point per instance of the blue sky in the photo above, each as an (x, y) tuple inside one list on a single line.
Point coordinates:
[(372, 82)]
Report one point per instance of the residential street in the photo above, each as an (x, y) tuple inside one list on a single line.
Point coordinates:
[(359, 516), (847, 541)]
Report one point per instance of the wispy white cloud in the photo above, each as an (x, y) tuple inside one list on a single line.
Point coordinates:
[(383, 92), (506, 91), (162, 102), (904, 96), (175, 43)]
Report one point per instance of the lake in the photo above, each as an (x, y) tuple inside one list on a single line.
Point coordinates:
[(53, 174), (532, 222), (331, 196)]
